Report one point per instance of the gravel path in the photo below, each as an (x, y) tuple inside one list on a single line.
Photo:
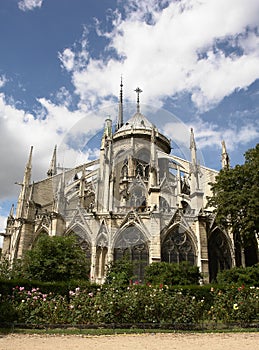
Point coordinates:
[(178, 341)]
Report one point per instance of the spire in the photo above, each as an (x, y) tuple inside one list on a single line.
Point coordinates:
[(193, 147), (11, 214), (27, 172), (107, 133), (53, 164), (120, 116), (225, 163), (59, 202), (195, 171), (192, 140), (24, 194), (138, 91)]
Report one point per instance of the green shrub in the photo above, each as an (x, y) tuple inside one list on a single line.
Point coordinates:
[(172, 274), (56, 288), (120, 272), (240, 275)]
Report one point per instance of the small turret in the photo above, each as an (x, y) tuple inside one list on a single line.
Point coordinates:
[(27, 173), (194, 167), (195, 176), (193, 148), (107, 133), (11, 214), (53, 164), (60, 201), (103, 185), (23, 197), (225, 161)]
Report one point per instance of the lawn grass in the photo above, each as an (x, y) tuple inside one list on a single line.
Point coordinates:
[(117, 331)]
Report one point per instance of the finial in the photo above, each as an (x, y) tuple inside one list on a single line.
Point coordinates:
[(192, 140), (30, 158), (53, 164), (120, 115), (27, 173), (138, 91), (11, 214)]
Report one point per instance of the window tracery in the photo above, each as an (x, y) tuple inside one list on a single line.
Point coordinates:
[(178, 247), (131, 244)]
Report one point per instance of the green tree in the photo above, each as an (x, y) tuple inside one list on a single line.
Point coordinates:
[(56, 259), (11, 271), (172, 274), (236, 200), (120, 272)]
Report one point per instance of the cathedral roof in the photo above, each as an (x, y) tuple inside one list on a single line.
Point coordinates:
[(138, 121)]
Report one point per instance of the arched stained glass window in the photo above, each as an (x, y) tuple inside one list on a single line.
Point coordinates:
[(131, 244), (219, 254), (178, 247)]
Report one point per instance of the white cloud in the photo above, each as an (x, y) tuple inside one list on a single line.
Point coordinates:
[(28, 5), (68, 59), (210, 134), (189, 45), (19, 130), (3, 81), (165, 47), (2, 223)]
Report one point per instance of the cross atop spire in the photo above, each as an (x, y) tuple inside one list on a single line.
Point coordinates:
[(138, 91), (120, 115)]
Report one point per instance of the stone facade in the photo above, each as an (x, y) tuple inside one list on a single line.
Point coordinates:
[(136, 199)]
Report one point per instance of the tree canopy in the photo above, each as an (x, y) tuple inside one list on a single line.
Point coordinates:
[(56, 259), (236, 198), (172, 273)]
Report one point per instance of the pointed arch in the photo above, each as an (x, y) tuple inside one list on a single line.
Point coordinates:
[(219, 251), (79, 230), (138, 195), (131, 220), (179, 244), (83, 237), (131, 243), (164, 205)]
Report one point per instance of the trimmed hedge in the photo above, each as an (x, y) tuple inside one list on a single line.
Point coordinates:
[(240, 275)]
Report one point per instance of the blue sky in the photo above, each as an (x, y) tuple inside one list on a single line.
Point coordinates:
[(61, 61)]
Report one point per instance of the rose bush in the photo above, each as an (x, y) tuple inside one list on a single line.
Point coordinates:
[(135, 304), (235, 304)]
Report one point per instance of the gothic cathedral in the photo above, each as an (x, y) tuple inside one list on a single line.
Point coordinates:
[(137, 199)]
